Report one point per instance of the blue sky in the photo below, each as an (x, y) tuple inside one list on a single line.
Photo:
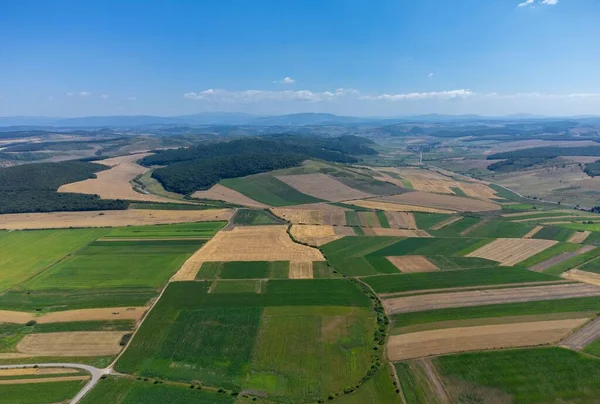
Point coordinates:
[(354, 57)]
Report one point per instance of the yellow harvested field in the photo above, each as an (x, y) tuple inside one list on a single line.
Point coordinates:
[(401, 220), (334, 218), (219, 192), (323, 187), (412, 263), (446, 202), (380, 231), (579, 237), (314, 235), (510, 251), (578, 275), (109, 218), (529, 213), (13, 355), (477, 190), (103, 314), (553, 218), (301, 270), (332, 215), (450, 340), (447, 222), (115, 182), (394, 207), (434, 301), (35, 371), (344, 231), (45, 380), (95, 343), (298, 216), (248, 243), (533, 231)]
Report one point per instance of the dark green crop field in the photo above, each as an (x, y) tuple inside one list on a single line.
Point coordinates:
[(269, 190), (165, 231), (253, 217)]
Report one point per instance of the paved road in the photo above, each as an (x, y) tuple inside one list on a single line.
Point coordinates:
[(95, 372)]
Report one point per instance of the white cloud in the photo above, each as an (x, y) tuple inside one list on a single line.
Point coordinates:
[(443, 95), (285, 80), (70, 94), (85, 94), (104, 96), (526, 3), (430, 75), (248, 96), (550, 2)]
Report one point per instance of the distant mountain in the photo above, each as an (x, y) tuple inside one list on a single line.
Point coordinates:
[(307, 119)]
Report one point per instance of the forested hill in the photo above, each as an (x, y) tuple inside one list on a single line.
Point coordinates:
[(547, 152), (32, 188), (203, 166)]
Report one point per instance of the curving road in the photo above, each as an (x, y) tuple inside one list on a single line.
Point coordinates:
[(93, 371)]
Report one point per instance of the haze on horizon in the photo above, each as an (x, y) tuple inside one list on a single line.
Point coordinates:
[(360, 58)]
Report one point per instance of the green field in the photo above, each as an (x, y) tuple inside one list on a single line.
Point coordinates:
[(26, 253), (253, 217), (377, 390), (269, 190), (244, 270), (554, 233), (544, 375), (592, 266), (116, 390), (581, 226), (501, 229), (427, 220), (35, 393), (549, 253), (593, 348), (352, 218), (166, 231), (454, 229), (444, 262), (453, 279), (573, 262), (414, 383), (573, 305), (383, 220), (241, 339), (237, 286), (107, 264)]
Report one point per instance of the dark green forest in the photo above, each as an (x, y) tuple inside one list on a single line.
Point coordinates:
[(547, 152), (32, 188), (592, 169), (203, 166)]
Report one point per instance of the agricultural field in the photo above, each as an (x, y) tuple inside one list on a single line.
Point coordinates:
[(201, 230), (268, 190), (219, 192), (40, 392), (323, 187), (251, 217)]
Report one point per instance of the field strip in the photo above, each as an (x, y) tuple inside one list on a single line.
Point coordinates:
[(412, 263), (510, 251), (578, 275), (323, 187), (117, 239), (474, 226), (45, 380), (381, 231), (301, 270), (438, 201), (219, 192), (102, 314), (248, 243), (115, 183), (109, 218), (300, 216), (450, 340), (583, 336), (541, 213), (395, 207), (533, 231), (435, 382), (446, 222), (435, 301), (401, 220), (579, 237), (81, 343), (557, 259), (35, 371), (544, 219), (314, 235), (477, 287)]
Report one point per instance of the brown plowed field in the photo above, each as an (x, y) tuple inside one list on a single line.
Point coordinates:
[(96, 343), (436, 301), (412, 263), (301, 270), (395, 207), (45, 380), (533, 231), (323, 187), (369, 219), (447, 222), (449, 340), (401, 220), (115, 182), (334, 218), (446, 202), (510, 251), (584, 336), (297, 216), (113, 313), (380, 231), (109, 218), (314, 235), (578, 275), (344, 231), (579, 237), (219, 192), (248, 243)]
